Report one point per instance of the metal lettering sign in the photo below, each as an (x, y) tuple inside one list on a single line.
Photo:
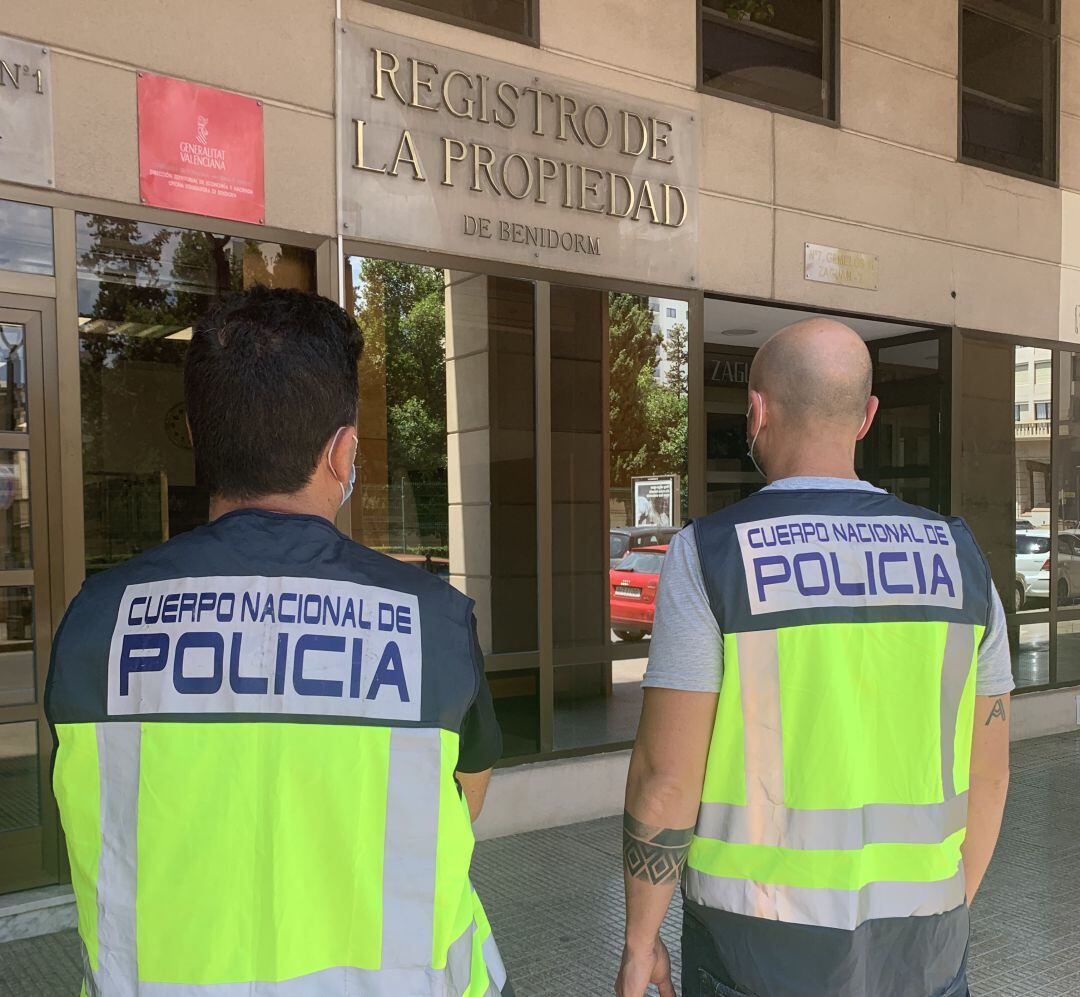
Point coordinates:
[(726, 371), (829, 265), (26, 118), (447, 151)]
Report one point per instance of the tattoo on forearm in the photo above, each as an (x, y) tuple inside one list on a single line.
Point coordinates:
[(655, 855), (997, 711)]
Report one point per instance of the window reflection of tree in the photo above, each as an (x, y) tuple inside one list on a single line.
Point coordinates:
[(401, 311), (648, 412), (141, 288)]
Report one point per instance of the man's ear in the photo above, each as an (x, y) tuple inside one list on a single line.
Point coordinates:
[(756, 412), (341, 453), (871, 411)]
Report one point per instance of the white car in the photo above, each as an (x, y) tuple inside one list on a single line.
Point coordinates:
[(1033, 566)]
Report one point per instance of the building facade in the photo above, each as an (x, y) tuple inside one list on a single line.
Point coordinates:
[(564, 229)]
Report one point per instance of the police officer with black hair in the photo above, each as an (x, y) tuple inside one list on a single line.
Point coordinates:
[(270, 738)]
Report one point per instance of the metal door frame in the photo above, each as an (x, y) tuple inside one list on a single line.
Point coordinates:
[(32, 856)]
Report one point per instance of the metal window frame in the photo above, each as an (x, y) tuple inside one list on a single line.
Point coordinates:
[(1048, 29), (830, 68), (530, 37)]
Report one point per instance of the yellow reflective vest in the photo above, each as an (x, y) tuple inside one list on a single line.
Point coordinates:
[(258, 728)]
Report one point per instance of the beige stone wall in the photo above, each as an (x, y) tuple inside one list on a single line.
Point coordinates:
[(957, 244)]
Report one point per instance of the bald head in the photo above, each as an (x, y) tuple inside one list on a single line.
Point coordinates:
[(815, 371)]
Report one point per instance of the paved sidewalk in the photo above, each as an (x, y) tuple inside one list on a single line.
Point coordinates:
[(555, 898)]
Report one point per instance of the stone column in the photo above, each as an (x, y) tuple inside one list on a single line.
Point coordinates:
[(468, 442)]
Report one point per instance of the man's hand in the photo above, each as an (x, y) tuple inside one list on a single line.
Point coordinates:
[(639, 969)]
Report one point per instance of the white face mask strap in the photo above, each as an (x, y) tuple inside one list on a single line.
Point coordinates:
[(750, 451)]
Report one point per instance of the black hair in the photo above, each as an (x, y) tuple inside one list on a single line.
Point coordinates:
[(270, 374)]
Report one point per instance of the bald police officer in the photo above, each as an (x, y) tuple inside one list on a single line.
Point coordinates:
[(270, 738), (823, 750)]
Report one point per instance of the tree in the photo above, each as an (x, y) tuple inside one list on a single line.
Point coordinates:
[(633, 360), (676, 351)]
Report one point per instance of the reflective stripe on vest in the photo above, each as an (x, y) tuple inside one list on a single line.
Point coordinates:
[(430, 930), (809, 832), (455, 979)]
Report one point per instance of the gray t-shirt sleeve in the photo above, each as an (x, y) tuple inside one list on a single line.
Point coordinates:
[(687, 648), (993, 670)]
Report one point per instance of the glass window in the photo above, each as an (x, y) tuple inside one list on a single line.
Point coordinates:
[(1023, 373), (510, 18), (14, 510), (642, 562), (20, 793), (1029, 528), (13, 414), (770, 51), (1067, 493), (18, 684), (26, 238), (1020, 411), (1008, 76), (447, 454), (141, 287), (619, 459), (1032, 499), (670, 312), (906, 451), (1030, 543)]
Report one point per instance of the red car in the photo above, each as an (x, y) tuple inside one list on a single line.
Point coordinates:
[(633, 592)]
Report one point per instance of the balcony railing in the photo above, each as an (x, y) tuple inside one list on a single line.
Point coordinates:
[(1039, 429)]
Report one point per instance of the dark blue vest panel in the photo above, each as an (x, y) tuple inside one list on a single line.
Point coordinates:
[(266, 617), (785, 558)]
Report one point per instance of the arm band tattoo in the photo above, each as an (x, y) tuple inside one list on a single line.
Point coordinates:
[(996, 711), (654, 855)]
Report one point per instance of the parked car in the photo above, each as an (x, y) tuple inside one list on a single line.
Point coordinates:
[(627, 538), (634, 581), (1025, 524), (1033, 566)]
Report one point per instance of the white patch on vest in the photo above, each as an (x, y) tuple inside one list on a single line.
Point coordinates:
[(266, 645), (812, 562)]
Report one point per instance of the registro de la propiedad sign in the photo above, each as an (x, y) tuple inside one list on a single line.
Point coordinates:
[(446, 151)]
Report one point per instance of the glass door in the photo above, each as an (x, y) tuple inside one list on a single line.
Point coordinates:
[(29, 854), (907, 448)]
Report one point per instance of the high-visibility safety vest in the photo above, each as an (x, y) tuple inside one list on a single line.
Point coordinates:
[(258, 727), (836, 784)]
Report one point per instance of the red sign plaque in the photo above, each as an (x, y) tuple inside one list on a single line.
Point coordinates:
[(200, 149)]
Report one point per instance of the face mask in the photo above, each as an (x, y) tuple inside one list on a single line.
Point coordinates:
[(750, 450), (346, 490)]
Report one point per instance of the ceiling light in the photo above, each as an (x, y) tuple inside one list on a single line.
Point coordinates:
[(738, 332)]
